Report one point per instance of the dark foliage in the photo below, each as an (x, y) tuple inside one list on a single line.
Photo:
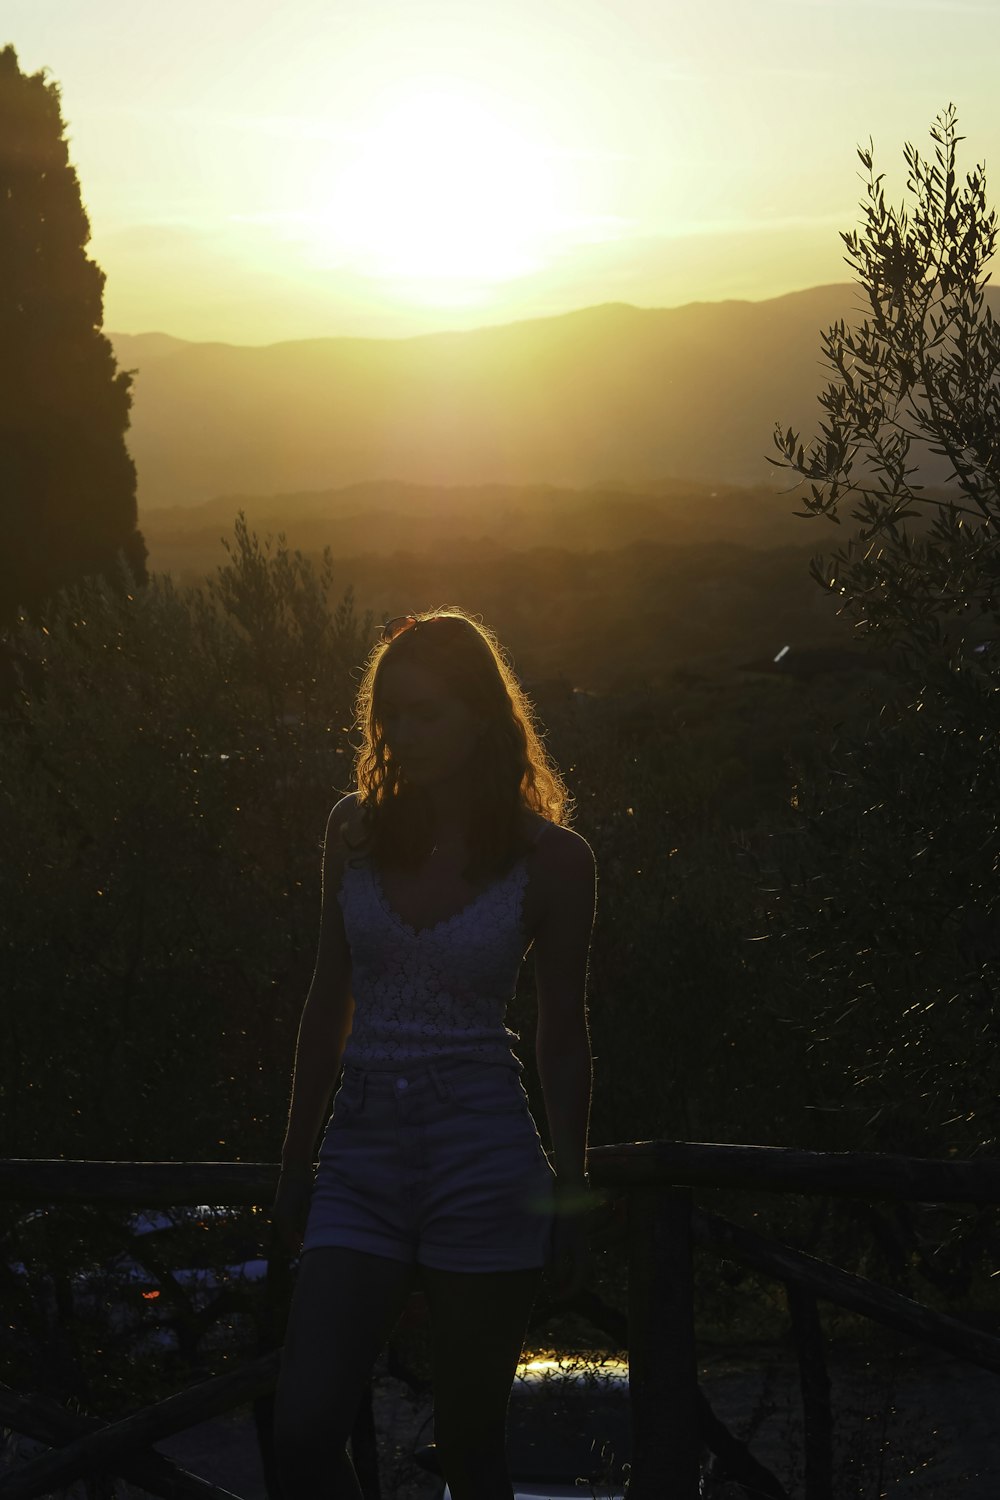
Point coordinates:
[(165, 773)]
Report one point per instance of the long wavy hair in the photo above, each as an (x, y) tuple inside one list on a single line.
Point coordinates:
[(513, 771)]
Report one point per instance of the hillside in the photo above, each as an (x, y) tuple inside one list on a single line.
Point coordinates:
[(601, 585), (387, 518), (596, 397)]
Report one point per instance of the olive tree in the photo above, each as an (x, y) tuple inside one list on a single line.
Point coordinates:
[(883, 896), (915, 397)]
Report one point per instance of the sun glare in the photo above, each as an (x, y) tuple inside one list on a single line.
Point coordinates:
[(439, 189)]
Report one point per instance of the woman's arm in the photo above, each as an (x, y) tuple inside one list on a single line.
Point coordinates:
[(328, 1011), (562, 1044)]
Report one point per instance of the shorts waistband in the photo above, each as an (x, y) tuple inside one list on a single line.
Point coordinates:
[(447, 1062), (432, 1070)]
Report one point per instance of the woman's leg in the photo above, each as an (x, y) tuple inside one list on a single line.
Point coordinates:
[(344, 1307), (478, 1323)]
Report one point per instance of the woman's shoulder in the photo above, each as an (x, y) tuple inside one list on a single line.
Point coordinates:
[(345, 830), (563, 874), (559, 849)]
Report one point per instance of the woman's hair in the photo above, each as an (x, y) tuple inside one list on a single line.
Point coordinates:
[(513, 771)]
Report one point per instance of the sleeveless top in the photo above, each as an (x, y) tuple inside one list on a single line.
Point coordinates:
[(439, 991)]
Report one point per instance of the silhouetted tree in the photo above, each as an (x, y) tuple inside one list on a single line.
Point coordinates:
[(67, 482), (888, 894), (917, 384)]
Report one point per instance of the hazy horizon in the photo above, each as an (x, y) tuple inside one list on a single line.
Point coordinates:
[(498, 322), (255, 175)]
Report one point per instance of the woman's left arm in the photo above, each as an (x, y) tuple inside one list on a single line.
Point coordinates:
[(562, 1045)]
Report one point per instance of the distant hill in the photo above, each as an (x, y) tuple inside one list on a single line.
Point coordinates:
[(608, 396), (140, 349), (386, 519)]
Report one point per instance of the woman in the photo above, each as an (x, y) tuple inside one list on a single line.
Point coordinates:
[(439, 872)]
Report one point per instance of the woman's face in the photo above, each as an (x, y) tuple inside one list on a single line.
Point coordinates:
[(431, 733)]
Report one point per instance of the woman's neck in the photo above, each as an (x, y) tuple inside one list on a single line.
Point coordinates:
[(450, 832), (450, 811)]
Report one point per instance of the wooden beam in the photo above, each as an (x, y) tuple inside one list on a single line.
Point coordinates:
[(780, 1169), (106, 1448), (773, 1169), (847, 1290), (46, 1421), (141, 1184)]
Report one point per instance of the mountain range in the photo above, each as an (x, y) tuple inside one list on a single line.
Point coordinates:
[(614, 396)]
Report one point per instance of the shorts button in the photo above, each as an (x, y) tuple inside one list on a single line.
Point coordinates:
[(401, 1084)]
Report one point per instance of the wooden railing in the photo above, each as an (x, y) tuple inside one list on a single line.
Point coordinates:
[(663, 1226)]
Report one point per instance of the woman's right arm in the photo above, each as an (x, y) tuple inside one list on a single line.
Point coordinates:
[(328, 1011)]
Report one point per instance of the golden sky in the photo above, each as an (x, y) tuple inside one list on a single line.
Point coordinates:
[(257, 172)]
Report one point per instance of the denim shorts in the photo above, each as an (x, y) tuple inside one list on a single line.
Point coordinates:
[(438, 1164)]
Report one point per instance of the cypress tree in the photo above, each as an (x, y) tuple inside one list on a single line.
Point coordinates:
[(67, 481)]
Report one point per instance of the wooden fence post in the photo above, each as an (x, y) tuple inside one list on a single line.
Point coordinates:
[(815, 1381), (663, 1373)]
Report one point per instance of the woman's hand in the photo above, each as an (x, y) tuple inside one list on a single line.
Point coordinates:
[(290, 1209), (577, 1211), (570, 1262)]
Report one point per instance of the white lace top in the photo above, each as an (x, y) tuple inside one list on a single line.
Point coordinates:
[(435, 991)]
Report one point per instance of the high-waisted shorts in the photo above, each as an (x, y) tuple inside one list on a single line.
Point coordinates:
[(438, 1164)]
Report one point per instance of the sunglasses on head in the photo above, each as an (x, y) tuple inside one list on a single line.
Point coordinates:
[(398, 626)]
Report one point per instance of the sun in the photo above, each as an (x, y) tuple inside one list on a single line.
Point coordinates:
[(440, 189)]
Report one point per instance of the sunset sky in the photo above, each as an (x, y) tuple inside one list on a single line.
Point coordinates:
[(257, 172)]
